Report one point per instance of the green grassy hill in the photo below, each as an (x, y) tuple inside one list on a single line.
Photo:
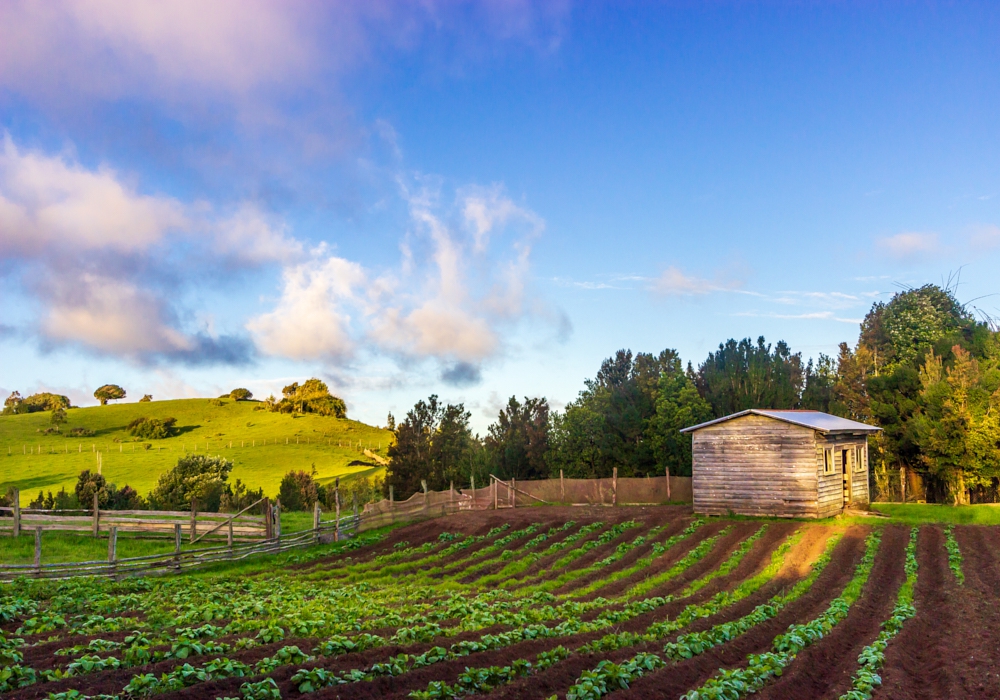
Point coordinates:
[(262, 445)]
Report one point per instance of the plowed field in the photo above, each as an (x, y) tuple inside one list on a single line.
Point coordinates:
[(565, 602)]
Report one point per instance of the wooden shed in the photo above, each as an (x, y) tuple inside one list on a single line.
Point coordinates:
[(786, 463)]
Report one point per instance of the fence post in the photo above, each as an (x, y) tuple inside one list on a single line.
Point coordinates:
[(276, 512), (267, 519), (562, 487), (38, 549), (423, 485), (513, 492), (194, 518), (451, 491), (902, 483), (614, 487), (473, 489), (177, 546), (17, 513), (336, 502), (112, 547), (668, 482), (229, 537), (392, 505), (494, 493), (316, 519), (97, 515)]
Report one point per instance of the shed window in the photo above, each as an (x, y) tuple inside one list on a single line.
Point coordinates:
[(828, 460), (859, 458)]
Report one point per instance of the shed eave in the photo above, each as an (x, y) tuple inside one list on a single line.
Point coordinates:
[(855, 428)]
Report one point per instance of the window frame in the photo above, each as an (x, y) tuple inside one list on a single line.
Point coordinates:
[(859, 458), (828, 461)]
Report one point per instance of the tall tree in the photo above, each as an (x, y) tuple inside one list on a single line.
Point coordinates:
[(742, 375), (433, 443), (678, 405), (518, 441), (109, 392)]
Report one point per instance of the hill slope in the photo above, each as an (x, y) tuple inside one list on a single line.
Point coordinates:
[(262, 445)]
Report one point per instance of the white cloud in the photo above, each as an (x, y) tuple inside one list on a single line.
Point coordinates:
[(250, 236), (310, 321), (51, 202), (909, 245), (675, 282), (110, 316)]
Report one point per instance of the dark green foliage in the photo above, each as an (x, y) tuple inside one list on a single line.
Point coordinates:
[(58, 417), (516, 444), (146, 398), (678, 405), (742, 375), (239, 395), (434, 443), (237, 497), (109, 392), (312, 396), (298, 490), (195, 477), (80, 432), (109, 496), (151, 428)]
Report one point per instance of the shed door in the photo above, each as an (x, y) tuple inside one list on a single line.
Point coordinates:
[(845, 464)]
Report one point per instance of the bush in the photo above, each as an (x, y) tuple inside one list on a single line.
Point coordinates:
[(146, 398), (238, 496), (240, 394), (312, 396), (216, 402), (151, 428), (109, 496), (194, 477), (80, 432), (35, 403), (298, 491), (63, 500)]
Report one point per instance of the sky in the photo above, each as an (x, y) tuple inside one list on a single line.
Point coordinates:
[(475, 199)]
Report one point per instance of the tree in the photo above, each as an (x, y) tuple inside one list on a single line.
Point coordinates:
[(194, 477), (109, 392), (678, 405), (13, 404), (298, 490), (240, 394), (146, 398), (608, 425), (741, 375), (312, 396), (517, 443), (36, 403), (58, 417), (88, 484), (820, 379), (433, 443)]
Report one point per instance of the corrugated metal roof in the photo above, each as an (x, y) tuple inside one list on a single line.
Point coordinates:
[(816, 420)]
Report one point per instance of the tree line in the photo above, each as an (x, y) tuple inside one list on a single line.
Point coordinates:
[(924, 369)]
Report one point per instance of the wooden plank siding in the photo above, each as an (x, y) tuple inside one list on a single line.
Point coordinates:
[(754, 465)]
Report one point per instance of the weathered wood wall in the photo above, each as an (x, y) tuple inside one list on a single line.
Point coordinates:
[(831, 486), (755, 465)]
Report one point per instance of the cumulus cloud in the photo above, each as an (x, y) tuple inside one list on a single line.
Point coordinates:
[(310, 321), (51, 201), (675, 282), (909, 245), (454, 291)]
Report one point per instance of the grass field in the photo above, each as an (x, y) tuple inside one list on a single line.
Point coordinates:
[(262, 445), (572, 603)]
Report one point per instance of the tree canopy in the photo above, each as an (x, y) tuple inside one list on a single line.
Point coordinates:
[(109, 392), (312, 396)]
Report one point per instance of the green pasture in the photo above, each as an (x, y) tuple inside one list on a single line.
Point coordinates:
[(920, 513), (263, 446)]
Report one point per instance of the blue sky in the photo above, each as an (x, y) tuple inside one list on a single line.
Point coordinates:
[(475, 199)]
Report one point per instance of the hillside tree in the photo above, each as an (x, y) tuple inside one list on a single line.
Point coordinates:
[(109, 392)]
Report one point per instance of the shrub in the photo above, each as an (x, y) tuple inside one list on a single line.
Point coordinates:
[(194, 477), (151, 428), (298, 491), (80, 432), (312, 396), (146, 398), (238, 496), (216, 402), (240, 394)]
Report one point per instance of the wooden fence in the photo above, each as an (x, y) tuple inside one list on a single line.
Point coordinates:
[(152, 523)]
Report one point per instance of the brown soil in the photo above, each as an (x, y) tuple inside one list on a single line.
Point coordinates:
[(951, 648), (825, 669)]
